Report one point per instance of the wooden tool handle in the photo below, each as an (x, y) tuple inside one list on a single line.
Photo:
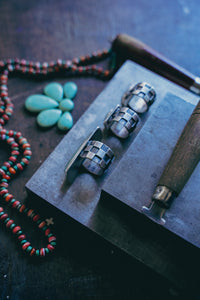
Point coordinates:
[(127, 47), (185, 155)]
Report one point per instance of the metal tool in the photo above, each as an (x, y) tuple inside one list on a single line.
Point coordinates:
[(127, 47), (178, 170)]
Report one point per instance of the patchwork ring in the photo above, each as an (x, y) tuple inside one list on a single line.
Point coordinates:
[(96, 156), (139, 97), (121, 121)]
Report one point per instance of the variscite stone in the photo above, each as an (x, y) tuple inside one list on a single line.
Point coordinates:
[(70, 90), (48, 118), (66, 105), (65, 122), (37, 103), (54, 90)]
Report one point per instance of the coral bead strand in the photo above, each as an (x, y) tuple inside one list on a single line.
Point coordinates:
[(10, 168), (20, 153)]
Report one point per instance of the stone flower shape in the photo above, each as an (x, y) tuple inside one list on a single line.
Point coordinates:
[(54, 106)]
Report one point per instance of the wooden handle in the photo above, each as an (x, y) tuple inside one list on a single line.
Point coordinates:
[(185, 155), (127, 47)]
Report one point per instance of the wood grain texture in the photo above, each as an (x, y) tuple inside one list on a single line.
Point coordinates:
[(185, 156), (47, 30)]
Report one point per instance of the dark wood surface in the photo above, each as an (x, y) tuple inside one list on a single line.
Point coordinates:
[(83, 267)]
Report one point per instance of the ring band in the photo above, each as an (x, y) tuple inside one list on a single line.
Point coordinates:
[(139, 97), (121, 121), (97, 157)]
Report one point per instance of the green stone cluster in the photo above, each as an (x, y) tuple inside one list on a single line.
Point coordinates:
[(54, 106)]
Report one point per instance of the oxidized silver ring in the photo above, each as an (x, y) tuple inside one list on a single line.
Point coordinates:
[(121, 121), (139, 97), (96, 156)]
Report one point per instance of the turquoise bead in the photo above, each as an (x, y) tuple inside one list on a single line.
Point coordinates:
[(65, 122), (66, 105), (70, 90), (54, 90), (37, 103), (48, 118)]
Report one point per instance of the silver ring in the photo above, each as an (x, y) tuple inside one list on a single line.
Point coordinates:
[(121, 121), (96, 156), (139, 97)]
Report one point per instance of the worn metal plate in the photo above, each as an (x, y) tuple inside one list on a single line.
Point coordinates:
[(144, 163), (114, 220)]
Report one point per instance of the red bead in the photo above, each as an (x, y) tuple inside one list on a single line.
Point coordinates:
[(4, 184), (99, 70), (32, 252), (3, 94), (16, 229), (8, 111), (3, 192), (31, 70), (8, 198), (51, 239), (9, 103), (9, 223), (74, 68), (30, 212), (15, 204), (1, 209), (107, 73), (2, 172), (11, 132), (3, 77), (15, 152), (25, 245), (27, 152), (19, 166), (3, 131), (7, 177), (47, 232), (12, 170), (42, 224), (23, 62), (25, 160), (82, 58), (80, 69), (6, 117), (10, 140), (22, 208), (6, 164), (18, 134), (35, 218), (14, 145), (42, 252), (50, 247), (4, 216), (22, 140), (21, 237), (13, 159)]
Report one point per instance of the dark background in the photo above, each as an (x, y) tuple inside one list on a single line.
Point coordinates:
[(83, 266)]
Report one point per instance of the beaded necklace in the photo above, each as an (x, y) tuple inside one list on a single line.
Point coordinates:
[(20, 148)]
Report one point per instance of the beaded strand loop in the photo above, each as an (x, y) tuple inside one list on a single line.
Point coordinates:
[(20, 148)]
